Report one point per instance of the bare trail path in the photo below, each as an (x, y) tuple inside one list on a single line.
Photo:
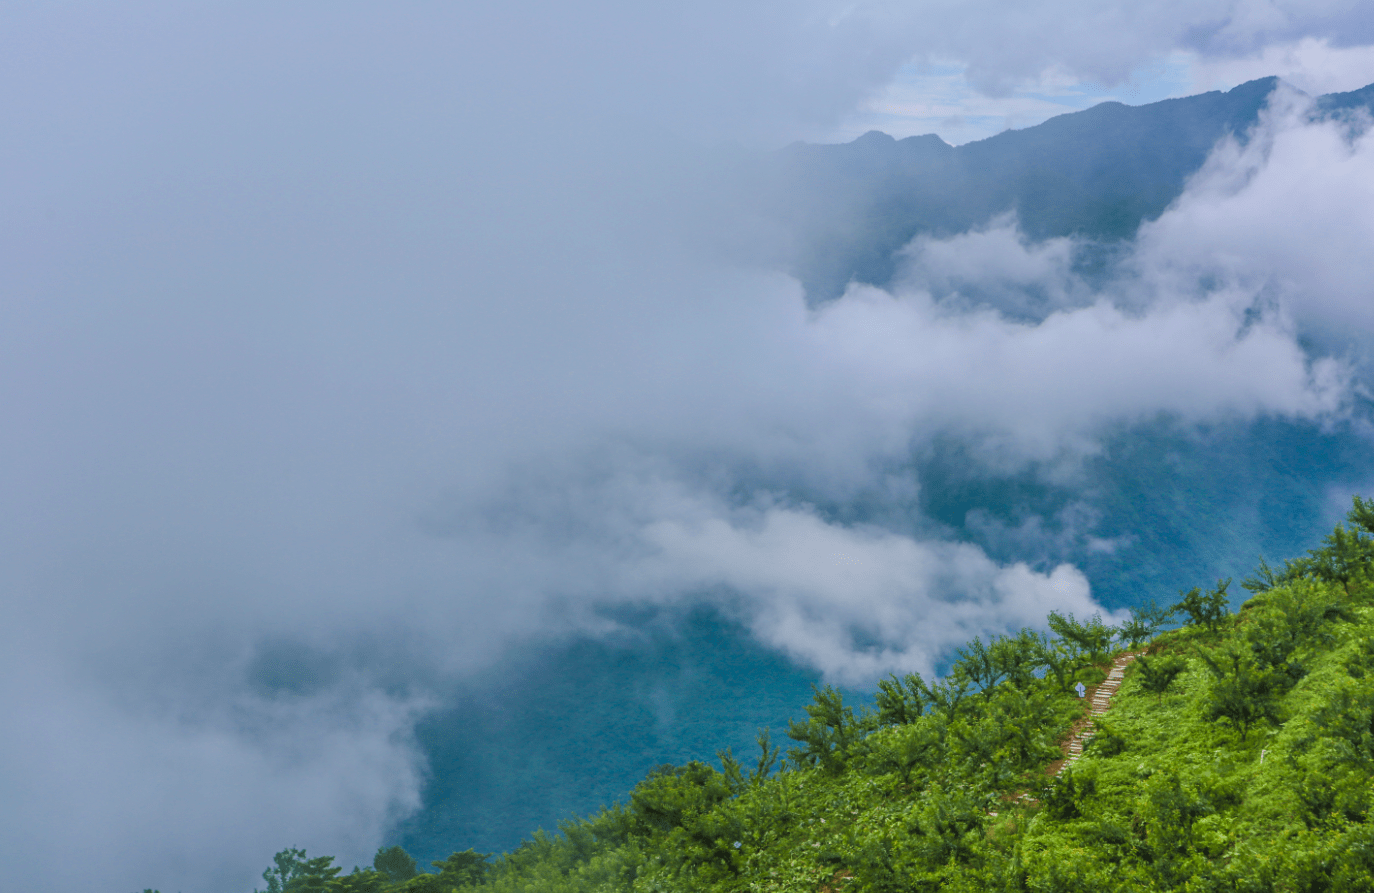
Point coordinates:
[(1101, 701)]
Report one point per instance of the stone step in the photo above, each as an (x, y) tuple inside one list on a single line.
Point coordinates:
[(1100, 703)]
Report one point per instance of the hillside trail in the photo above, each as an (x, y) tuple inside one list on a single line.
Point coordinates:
[(1101, 701)]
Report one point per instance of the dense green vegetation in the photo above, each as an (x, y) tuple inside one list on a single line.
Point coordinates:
[(1237, 755)]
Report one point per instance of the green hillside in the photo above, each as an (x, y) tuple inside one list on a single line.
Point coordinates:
[(1238, 754)]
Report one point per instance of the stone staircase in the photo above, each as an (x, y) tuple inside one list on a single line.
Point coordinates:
[(1101, 701)]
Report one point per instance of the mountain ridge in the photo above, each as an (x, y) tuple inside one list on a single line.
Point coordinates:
[(1096, 174)]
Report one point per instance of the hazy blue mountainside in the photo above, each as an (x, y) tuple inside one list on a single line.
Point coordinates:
[(1096, 173), (1355, 99), (572, 728), (569, 728)]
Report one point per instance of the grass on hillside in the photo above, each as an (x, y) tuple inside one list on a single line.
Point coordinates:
[(1238, 755)]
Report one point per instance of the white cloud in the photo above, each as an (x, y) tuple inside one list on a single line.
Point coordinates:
[(1290, 213), (995, 265), (855, 603), (1005, 44), (1038, 387), (113, 781), (1311, 64)]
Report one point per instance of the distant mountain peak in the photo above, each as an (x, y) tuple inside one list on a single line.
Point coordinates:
[(929, 139), (875, 137)]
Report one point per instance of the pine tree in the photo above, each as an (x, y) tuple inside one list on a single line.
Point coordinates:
[(902, 701), (395, 863), (1157, 674), (1092, 639), (1206, 609), (1242, 691)]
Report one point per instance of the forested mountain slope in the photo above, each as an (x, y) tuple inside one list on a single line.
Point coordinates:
[(1237, 755)]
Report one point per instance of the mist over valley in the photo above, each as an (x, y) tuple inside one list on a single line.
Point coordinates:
[(424, 423)]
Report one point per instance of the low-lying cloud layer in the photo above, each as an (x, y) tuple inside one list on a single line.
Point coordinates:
[(856, 603), (343, 352), (1317, 178)]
